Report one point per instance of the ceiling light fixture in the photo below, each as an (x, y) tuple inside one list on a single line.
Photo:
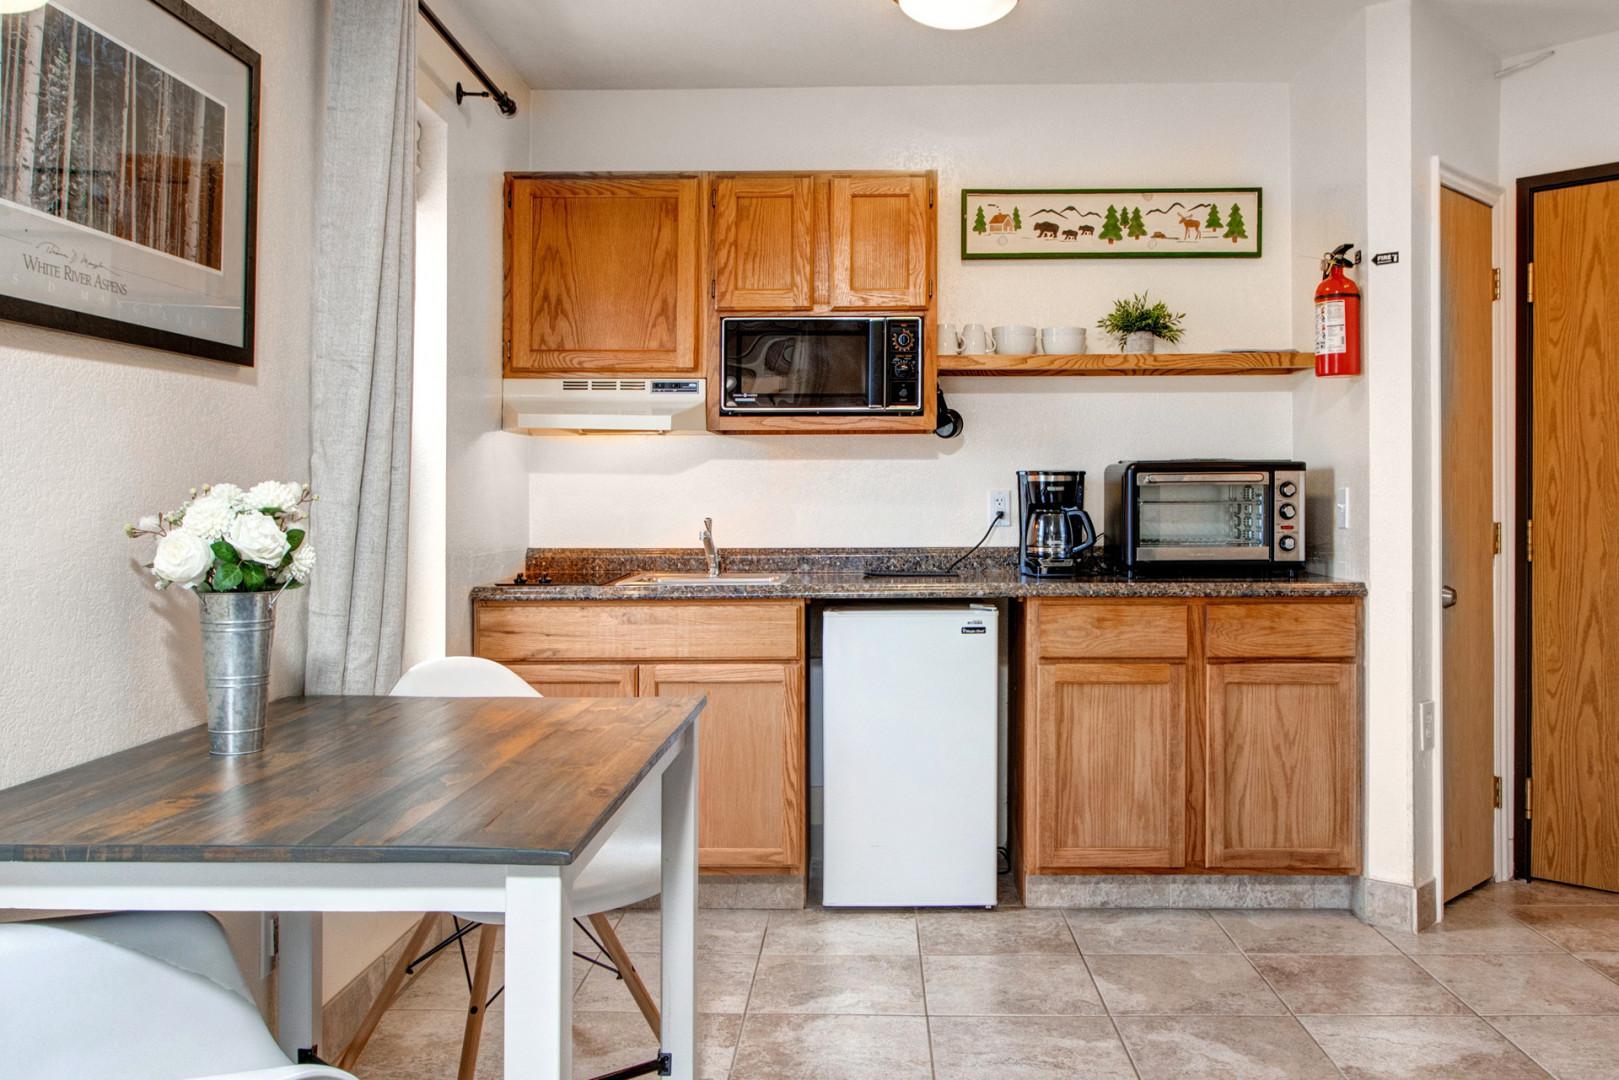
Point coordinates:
[(956, 14)]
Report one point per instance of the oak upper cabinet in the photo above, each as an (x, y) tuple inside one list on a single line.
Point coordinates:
[(1112, 768), (881, 235), (750, 760), (764, 242), (603, 274)]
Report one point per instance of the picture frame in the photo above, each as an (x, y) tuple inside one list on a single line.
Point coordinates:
[(129, 135), (1112, 223)]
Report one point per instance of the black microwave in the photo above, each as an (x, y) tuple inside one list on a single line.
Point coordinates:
[(821, 366), (1212, 513)]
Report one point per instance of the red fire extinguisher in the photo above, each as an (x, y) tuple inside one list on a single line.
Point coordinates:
[(1337, 317)]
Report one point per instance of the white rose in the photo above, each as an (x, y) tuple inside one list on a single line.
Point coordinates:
[(303, 563), (232, 495), (182, 558), (208, 516), (282, 496), (257, 538)]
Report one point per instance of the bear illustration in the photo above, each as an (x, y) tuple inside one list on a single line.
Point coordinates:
[(1045, 230)]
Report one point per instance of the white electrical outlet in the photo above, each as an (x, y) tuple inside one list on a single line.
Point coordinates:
[(1000, 502), (1425, 721), (1341, 508)]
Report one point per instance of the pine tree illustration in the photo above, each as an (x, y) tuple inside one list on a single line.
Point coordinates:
[(1110, 227), (980, 226), (1017, 220), (1137, 229), (1214, 224), (1235, 228)]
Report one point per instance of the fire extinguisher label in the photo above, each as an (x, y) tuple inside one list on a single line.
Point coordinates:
[(1331, 328)]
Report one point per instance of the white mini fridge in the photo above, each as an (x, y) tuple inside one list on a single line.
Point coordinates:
[(910, 749)]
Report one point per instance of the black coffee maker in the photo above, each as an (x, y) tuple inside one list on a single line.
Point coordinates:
[(1053, 527)]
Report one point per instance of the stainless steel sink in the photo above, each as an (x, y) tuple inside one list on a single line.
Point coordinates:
[(698, 578)]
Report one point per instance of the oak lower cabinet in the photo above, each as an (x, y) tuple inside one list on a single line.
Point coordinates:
[(1194, 736), (746, 656)]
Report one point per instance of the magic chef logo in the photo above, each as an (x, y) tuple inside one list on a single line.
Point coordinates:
[(73, 268)]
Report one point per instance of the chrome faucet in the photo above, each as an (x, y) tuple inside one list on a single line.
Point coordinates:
[(709, 550)]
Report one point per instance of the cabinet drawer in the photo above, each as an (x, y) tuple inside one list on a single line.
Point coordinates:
[(646, 630), (1132, 629), (1306, 630)]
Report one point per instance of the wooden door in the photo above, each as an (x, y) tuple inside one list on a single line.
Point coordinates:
[(880, 228), (579, 680), (1574, 667), (603, 275), (1466, 298), (1283, 765), (1110, 765), (750, 749), (763, 243)]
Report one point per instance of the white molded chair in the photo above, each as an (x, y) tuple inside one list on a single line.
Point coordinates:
[(625, 871), (148, 995)]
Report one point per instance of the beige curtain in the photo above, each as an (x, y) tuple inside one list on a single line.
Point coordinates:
[(359, 400)]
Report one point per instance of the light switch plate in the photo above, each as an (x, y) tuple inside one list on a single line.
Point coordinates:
[(1341, 508), (999, 501), (1425, 724)]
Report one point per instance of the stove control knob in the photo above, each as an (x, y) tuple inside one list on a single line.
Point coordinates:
[(1287, 543), (1288, 489), (1287, 511)]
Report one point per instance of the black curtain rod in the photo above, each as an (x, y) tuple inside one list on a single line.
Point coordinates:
[(502, 100)]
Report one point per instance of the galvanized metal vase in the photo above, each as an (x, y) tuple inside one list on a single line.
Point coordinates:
[(237, 628)]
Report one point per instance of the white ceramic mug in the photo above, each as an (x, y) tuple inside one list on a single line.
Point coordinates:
[(975, 340), (1063, 340), (948, 342), (1015, 340)]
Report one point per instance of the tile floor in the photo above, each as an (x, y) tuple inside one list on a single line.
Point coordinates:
[(1520, 980)]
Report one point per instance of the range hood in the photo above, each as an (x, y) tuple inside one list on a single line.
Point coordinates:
[(627, 406)]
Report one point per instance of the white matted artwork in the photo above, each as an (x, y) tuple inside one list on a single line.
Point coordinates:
[(1111, 223)]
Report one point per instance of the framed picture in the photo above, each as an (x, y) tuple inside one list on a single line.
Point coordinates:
[(128, 162), (1111, 223)]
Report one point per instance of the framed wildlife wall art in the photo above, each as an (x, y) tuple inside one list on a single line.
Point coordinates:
[(1111, 223), (128, 161)]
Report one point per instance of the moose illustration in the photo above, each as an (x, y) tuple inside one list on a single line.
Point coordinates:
[(1087, 230), (1045, 230), (1070, 234), (1190, 226)]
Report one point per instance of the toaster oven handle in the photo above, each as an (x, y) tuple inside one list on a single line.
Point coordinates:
[(1201, 478)]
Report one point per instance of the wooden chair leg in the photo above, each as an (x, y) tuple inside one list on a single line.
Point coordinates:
[(390, 989), (478, 1003), (632, 978)]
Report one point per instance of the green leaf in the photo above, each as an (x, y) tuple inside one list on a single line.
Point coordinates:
[(254, 576), (228, 577), (294, 538), (224, 552)]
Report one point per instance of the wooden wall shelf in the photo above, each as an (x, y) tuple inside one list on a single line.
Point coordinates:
[(1244, 363)]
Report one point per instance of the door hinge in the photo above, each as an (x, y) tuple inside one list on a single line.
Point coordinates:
[(1495, 283), (1531, 285), (1528, 798), (506, 351), (1529, 540), (1498, 793), (1495, 529)]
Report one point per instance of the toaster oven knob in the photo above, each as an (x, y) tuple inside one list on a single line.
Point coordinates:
[(1287, 543), (1288, 489), (1287, 511)]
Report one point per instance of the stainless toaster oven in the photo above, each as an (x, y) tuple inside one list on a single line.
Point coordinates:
[(1204, 513)]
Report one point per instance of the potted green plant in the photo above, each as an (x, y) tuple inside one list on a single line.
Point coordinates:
[(1135, 324)]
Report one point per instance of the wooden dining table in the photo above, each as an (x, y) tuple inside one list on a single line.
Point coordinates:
[(383, 804)]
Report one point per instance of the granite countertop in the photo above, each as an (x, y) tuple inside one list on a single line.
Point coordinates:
[(840, 574)]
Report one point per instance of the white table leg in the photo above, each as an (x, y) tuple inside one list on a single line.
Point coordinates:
[(679, 907), (539, 974), (299, 995)]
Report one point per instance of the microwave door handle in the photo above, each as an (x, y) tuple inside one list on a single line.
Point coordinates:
[(876, 370)]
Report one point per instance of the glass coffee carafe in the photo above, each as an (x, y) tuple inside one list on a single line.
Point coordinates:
[(1054, 528)]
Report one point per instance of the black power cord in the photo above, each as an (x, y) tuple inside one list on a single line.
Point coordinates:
[(949, 571)]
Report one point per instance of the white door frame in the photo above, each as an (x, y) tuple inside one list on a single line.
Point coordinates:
[(1503, 402)]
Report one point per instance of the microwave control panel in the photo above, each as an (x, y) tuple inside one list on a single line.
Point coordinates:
[(904, 355)]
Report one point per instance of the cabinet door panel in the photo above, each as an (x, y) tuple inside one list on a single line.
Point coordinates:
[(763, 243), (1283, 765), (1111, 765), (604, 275), (579, 680), (750, 750), (880, 237)]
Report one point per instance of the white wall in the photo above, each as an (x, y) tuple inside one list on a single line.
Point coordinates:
[(1564, 112), (920, 490), (94, 433)]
